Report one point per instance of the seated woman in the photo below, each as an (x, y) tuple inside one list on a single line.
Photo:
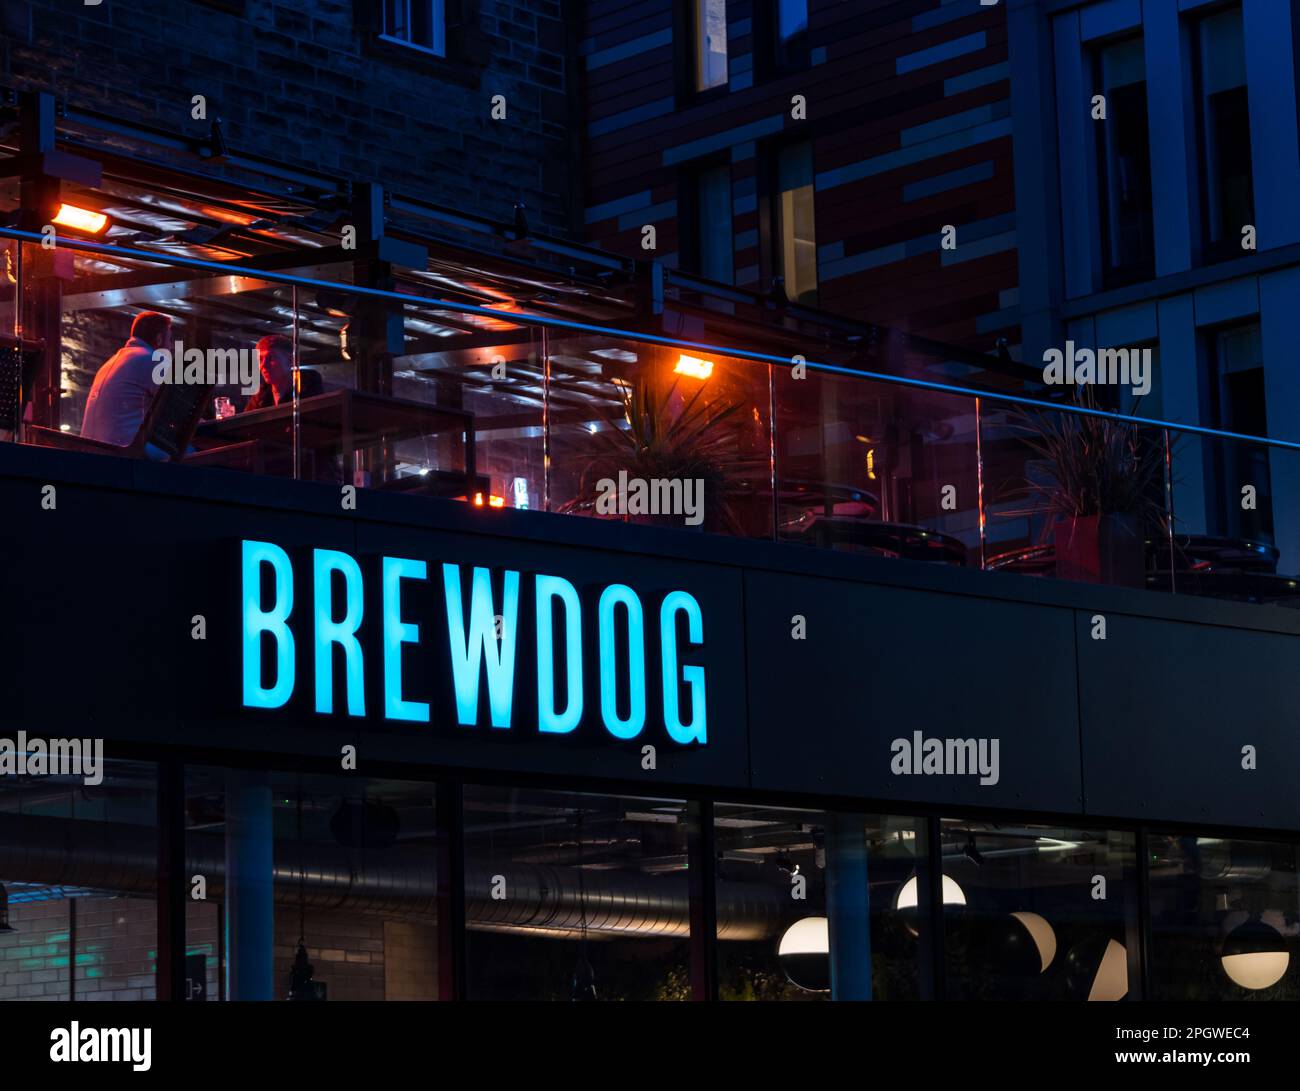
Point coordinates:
[(275, 359)]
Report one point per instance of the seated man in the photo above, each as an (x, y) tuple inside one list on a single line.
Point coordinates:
[(275, 359), (124, 388)]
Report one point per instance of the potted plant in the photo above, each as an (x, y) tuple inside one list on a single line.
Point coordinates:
[(1098, 494), (666, 434)]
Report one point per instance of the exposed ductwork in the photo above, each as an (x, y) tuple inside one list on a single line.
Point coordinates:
[(395, 882)]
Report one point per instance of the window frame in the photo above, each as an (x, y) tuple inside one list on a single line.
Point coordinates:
[(437, 26)]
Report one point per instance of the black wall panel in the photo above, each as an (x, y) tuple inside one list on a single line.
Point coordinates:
[(1168, 706), (879, 663)]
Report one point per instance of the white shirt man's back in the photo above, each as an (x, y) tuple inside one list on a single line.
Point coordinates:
[(120, 395)]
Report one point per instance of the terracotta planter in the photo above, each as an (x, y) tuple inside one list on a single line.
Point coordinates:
[(1105, 549)]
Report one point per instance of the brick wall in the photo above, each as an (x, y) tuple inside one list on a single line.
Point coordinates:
[(308, 84), (907, 111), (358, 957)]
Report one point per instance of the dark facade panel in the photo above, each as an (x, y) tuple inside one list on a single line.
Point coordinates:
[(881, 663), (1166, 709)]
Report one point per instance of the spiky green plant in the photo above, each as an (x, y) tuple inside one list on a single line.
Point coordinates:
[(650, 439), (1095, 465)]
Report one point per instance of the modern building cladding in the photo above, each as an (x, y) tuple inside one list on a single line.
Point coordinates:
[(1170, 223), (563, 618), (905, 129)]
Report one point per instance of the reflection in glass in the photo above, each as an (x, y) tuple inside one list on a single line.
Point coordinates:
[(1045, 913), (1224, 919), (710, 44), (318, 888), (1124, 162), (798, 231), (809, 905), (1227, 180), (78, 870), (576, 897)]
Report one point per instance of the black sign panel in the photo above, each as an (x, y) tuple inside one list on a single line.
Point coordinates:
[(896, 694)]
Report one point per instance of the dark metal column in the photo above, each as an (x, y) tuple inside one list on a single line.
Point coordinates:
[(170, 967), (703, 854), (452, 952)]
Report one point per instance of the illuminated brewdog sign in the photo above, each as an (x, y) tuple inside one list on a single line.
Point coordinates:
[(404, 639)]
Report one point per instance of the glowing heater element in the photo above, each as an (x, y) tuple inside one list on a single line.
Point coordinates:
[(694, 367), (81, 219)]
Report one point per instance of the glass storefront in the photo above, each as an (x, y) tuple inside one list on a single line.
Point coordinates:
[(348, 887)]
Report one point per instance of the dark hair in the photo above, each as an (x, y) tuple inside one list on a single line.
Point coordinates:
[(150, 325), (275, 342)]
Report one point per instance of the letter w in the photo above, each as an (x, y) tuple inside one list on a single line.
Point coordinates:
[(467, 655)]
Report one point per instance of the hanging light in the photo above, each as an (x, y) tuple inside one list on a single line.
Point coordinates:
[(1096, 968), (5, 926), (1041, 933), (907, 893), (804, 953), (84, 220), (1255, 955), (302, 986)]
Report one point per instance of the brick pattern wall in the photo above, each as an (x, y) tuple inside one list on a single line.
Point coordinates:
[(358, 957), (908, 113), (308, 84), (116, 948)]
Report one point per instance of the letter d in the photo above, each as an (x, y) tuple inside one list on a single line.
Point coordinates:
[(273, 621)]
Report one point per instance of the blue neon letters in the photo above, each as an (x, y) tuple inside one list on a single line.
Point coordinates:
[(481, 645)]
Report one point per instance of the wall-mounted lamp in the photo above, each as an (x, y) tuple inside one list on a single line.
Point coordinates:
[(693, 366), (85, 220)]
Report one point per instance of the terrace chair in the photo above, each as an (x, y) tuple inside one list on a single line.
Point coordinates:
[(166, 431)]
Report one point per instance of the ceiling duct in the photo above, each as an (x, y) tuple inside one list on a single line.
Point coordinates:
[(393, 882)]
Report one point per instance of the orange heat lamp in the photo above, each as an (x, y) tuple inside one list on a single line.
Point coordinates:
[(81, 219), (694, 367)]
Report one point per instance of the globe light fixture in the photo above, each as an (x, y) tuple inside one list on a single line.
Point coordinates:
[(805, 954), (1042, 934), (1255, 955), (907, 893)]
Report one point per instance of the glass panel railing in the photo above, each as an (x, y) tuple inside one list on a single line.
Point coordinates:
[(1073, 496), (484, 403), (659, 436), (1233, 537), (867, 467)]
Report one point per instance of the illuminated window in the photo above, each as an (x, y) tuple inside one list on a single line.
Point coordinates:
[(796, 235), (418, 23), (710, 44)]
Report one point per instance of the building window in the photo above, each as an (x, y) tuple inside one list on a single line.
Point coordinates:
[(1124, 164), (796, 235), (1237, 404), (710, 24), (791, 38), (1223, 120), (418, 23), (709, 248)]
